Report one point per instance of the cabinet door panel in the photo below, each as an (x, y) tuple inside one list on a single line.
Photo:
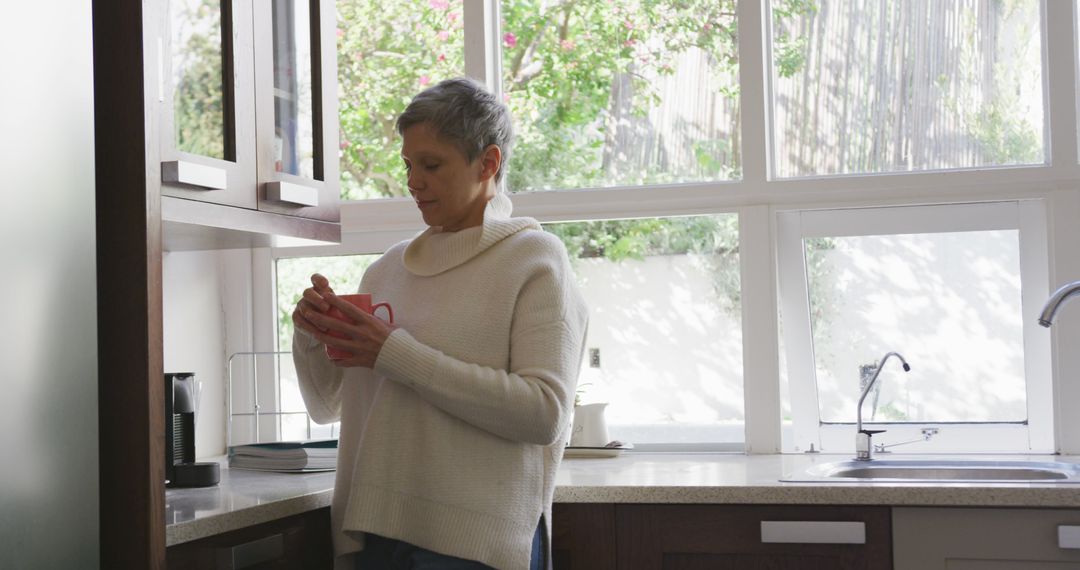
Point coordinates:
[(995, 539), (206, 101), (300, 542), (752, 562), (296, 88), (652, 537), (583, 536), (1009, 565)]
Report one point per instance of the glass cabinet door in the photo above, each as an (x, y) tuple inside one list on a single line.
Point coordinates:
[(296, 107), (206, 89), (294, 123)]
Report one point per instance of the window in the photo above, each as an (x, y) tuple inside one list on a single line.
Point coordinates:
[(664, 347), (387, 51), (941, 285), (879, 175), (865, 87), (197, 80), (621, 94), (285, 417)]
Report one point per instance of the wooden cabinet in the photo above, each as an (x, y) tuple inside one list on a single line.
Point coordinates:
[(977, 539), (709, 537), (205, 100), (245, 101), (299, 542), (296, 121), (583, 536)]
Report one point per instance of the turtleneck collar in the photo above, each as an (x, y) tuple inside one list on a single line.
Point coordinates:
[(434, 251)]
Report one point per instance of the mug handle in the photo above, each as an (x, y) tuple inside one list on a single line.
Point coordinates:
[(388, 310)]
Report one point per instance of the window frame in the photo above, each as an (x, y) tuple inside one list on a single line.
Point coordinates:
[(1025, 216), (370, 226)]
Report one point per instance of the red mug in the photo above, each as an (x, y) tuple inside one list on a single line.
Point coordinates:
[(361, 301)]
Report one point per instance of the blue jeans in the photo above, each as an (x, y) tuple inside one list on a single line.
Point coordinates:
[(382, 553)]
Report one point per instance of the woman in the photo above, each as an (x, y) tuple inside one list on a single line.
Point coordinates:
[(453, 419)]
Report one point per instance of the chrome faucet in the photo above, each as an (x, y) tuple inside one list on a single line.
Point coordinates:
[(1055, 301), (863, 447)]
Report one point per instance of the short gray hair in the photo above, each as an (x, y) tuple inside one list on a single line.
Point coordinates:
[(464, 114)]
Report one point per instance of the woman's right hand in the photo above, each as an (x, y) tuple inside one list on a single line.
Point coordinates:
[(312, 300)]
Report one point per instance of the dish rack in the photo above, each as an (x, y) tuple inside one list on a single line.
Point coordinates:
[(257, 412)]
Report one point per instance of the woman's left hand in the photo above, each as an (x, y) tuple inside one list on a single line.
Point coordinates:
[(364, 339)]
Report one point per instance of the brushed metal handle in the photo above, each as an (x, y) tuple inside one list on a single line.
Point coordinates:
[(193, 174), (259, 551), (1068, 536), (292, 193), (813, 532)]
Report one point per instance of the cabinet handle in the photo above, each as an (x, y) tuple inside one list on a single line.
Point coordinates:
[(259, 551), (817, 532), (190, 173), (292, 193), (1068, 536)]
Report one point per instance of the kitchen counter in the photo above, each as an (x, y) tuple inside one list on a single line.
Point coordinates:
[(755, 479), (245, 498)]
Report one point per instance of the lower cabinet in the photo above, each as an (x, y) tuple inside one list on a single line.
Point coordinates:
[(583, 536), (986, 539), (711, 537), (297, 542)]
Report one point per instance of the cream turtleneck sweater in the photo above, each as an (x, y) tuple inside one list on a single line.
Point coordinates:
[(452, 441)]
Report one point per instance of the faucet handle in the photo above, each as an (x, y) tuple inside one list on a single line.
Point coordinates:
[(872, 431)]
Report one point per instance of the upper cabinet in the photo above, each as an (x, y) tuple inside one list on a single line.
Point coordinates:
[(247, 106), (296, 107)]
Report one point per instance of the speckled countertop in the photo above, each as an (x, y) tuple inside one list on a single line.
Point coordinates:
[(245, 498), (242, 499)]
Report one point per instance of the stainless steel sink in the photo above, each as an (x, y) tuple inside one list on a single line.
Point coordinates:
[(940, 471)]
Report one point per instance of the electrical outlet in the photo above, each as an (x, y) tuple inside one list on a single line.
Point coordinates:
[(594, 358)]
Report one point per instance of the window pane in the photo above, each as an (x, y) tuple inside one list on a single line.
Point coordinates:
[(621, 93), (868, 87), (197, 81), (664, 346), (294, 275), (948, 302), (388, 52), (294, 119)]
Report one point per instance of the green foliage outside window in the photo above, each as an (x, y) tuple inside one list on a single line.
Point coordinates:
[(581, 78), (388, 52), (198, 95)]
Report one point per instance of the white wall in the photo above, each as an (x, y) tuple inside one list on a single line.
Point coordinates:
[(49, 496), (207, 300)]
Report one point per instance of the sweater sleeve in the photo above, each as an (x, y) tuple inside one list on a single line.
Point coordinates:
[(320, 381), (530, 402)]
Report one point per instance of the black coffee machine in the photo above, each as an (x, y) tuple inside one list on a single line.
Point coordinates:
[(181, 470)]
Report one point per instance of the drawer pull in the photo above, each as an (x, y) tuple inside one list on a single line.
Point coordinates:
[(192, 174), (813, 532), (1068, 536), (292, 193), (259, 551)]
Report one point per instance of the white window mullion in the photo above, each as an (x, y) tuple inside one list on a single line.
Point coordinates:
[(1064, 210), (798, 341), (753, 90), (1034, 290), (1060, 83), (483, 58), (761, 357)]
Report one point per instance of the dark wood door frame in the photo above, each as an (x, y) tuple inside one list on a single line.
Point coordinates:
[(130, 385)]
